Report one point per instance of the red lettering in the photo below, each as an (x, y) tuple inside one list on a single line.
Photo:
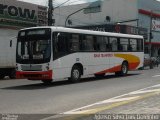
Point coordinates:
[(103, 55)]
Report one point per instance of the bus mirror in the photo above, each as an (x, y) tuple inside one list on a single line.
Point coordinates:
[(58, 34)]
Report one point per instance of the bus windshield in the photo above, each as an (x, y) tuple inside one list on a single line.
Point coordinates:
[(34, 46)]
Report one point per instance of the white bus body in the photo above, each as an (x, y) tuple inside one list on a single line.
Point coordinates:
[(75, 53)]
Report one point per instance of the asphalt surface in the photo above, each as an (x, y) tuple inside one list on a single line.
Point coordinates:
[(26, 98)]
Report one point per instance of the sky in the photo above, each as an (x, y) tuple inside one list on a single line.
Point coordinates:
[(57, 2)]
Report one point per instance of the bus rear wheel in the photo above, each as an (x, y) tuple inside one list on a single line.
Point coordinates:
[(75, 74), (124, 70)]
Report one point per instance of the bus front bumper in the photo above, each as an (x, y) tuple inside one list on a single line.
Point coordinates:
[(42, 75)]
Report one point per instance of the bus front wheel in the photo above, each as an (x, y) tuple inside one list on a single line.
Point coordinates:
[(75, 74)]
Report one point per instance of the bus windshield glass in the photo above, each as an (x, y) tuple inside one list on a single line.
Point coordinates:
[(34, 46)]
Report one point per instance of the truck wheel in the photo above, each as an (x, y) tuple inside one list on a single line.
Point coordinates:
[(2, 76), (12, 74), (75, 74)]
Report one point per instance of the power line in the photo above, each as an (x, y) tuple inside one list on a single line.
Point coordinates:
[(74, 2), (62, 4), (71, 1)]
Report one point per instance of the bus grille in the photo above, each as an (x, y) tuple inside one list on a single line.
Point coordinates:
[(31, 67), (33, 76)]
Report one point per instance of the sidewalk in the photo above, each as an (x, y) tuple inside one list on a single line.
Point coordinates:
[(149, 105), (138, 105)]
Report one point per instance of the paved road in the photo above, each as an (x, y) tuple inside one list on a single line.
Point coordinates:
[(33, 97)]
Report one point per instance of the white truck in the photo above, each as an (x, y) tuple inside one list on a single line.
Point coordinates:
[(7, 52)]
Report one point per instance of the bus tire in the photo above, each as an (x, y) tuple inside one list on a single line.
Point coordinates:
[(46, 82), (75, 74), (124, 68)]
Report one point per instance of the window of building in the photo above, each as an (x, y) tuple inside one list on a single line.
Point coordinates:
[(92, 10), (94, 7)]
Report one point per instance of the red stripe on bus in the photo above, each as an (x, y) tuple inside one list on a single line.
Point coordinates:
[(114, 69), (34, 75), (132, 66)]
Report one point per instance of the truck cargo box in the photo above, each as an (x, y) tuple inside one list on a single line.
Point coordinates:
[(7, 52)]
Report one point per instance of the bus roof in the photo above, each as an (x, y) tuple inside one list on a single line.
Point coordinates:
[(90, 32)]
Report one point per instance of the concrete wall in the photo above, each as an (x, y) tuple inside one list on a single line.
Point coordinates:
[(121, 10)]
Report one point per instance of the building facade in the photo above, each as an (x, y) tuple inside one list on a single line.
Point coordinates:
[(15, 15), (126, 16)]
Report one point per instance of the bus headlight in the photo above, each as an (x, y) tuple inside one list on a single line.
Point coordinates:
[(47, 67), (16, 67)]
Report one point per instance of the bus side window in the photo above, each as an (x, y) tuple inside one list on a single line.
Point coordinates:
[(100, 43), (87, 43), (124, 43), (108, 46), (74, 42), (129, 48), (139, 45), (120, 47), (113, 42), (133, 45), (60, 45)]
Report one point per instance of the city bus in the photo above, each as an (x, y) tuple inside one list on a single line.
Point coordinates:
[(55, 53)]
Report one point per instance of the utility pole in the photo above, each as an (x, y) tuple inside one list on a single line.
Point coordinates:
[(50, 12), (150, 34)]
